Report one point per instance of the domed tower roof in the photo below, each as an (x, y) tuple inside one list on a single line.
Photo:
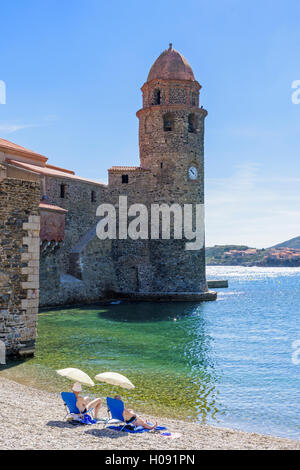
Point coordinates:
[(171, 65)]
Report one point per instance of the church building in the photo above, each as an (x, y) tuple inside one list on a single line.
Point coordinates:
[(56, 257)]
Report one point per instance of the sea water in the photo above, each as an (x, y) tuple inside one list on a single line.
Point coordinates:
[(227, 363)]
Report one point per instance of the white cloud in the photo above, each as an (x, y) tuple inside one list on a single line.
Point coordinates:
[(10, 128), (250, 208)]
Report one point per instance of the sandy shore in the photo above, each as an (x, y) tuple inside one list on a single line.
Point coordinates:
[(34, 419)]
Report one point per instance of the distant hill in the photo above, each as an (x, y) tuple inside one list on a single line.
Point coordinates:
[(286, 254), (217, 252), (216, 255), (293, 243)]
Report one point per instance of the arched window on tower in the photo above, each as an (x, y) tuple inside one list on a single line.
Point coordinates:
[(156, 96), (193, 123), (193, 99), (168, 122)]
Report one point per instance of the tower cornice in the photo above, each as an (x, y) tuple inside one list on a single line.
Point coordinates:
[(171, 107), (169, 81)]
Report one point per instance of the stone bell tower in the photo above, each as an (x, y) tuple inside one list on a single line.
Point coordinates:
[(171, 131), (171, 139)]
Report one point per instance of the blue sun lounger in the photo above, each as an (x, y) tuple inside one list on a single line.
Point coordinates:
[(70, 400), (115, 410)]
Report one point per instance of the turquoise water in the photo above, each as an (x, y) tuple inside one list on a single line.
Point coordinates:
[(227, 363)]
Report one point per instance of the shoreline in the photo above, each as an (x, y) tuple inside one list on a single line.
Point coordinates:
[(34, 420)]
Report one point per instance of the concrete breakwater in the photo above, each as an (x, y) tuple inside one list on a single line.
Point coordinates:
[(217, 283)]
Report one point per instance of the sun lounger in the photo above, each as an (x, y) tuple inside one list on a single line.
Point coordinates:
[(70, 400), (115, 410)]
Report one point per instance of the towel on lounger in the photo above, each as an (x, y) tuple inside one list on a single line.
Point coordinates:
[(136, 429), (87, 419)]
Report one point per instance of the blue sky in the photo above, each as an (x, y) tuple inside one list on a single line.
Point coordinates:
[(73, 71)]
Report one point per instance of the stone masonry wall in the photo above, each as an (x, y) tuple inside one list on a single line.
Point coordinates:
[(19, 263), (66, 276)]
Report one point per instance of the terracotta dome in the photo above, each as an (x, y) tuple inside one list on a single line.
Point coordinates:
[(171, 65)]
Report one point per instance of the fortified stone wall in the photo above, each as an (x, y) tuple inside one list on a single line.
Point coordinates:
[(64, 275), (82, 268), (19, 262), (81, 200)]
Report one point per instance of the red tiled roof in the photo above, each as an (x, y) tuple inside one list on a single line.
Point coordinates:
[(7, 146), (50, 171), (128, 168), (60, 169)]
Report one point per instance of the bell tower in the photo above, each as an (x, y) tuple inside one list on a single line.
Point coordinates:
[(171, 141), (171, 127)]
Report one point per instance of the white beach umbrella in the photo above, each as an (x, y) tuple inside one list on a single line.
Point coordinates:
[(77, 375), (114, 378)]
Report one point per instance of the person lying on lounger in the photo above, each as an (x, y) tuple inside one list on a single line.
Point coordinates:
[(85, 403), (131, 418)]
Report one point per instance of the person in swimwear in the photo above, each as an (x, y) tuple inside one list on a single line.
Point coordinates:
[(85, 403), (131, 418)]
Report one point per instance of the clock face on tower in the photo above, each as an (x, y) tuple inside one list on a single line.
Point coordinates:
[(193, 173)]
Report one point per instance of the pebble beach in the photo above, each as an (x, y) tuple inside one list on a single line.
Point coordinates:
[(33, 419)]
